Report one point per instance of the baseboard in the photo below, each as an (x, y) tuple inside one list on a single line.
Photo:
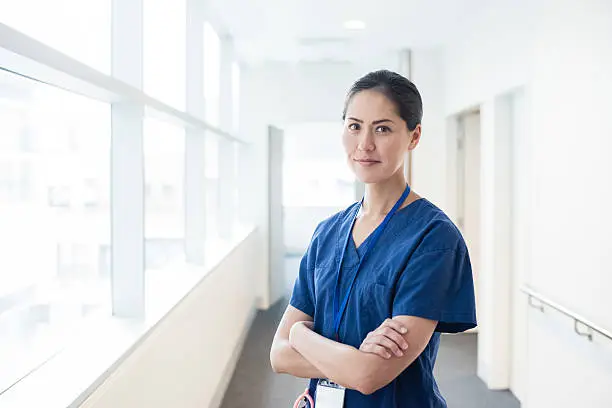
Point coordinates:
[(228, 373)]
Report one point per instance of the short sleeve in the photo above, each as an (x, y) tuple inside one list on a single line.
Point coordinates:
[(302, 297), (438, 285)]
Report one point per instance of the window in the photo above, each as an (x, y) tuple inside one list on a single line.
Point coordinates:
[(212, 74), (55, 176), (164, 48), (164, 150), (314, 167), (56, 23), (55, 217)]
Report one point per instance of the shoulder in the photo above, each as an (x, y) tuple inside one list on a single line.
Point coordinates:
[(437, 231)]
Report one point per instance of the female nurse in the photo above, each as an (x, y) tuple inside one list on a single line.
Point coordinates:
[(382, 279)]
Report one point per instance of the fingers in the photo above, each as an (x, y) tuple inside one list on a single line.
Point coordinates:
[(395, 325), (393, 336), (386, 340), (375, 349), (387, 343), (387, 331)]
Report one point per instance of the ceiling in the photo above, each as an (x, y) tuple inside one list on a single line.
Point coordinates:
[(312, 30)]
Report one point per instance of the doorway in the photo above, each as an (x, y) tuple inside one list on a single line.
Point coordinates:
[(317, 183)]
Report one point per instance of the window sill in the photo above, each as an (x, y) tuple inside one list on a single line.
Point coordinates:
[(70, 377)]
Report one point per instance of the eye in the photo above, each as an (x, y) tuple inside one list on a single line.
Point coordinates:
[(354, 126), (383, 129)]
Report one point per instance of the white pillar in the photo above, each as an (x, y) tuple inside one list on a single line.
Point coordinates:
[(496, 238), (195, 175), (405, 69), (127, 166), (227, 159)]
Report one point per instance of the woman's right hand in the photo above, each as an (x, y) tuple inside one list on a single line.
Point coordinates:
[(387, 340)]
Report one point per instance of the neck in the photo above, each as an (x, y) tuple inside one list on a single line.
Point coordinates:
[(380, 197)]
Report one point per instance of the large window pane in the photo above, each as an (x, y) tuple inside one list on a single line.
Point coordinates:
[(212, 75), (55, 218), (164, 48), (80, 29), (164, 149)]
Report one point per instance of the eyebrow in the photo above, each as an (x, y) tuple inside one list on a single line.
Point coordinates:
[(376, 122)]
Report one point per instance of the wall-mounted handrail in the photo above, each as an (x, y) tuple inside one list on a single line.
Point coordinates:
[(582, 326)]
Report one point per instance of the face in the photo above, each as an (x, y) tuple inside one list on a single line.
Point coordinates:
[(375, 137)]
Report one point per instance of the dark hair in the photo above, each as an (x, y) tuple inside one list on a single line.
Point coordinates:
[(401, 91)]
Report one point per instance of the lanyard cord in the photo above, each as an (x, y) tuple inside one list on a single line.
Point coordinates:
[(339, 309)]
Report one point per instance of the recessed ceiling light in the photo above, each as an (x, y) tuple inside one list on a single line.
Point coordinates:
[(354, 25)]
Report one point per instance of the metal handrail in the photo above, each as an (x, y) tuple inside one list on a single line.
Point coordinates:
[(582, 327)]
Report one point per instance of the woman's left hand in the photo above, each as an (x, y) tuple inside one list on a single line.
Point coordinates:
[(386, 340)]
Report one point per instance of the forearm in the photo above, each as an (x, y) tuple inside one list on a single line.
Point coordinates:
[(285, 359), (342, 364)]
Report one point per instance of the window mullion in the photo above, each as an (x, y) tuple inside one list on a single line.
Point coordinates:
[(127, 166)]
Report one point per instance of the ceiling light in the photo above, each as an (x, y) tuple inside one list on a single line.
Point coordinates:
[(354, 25)]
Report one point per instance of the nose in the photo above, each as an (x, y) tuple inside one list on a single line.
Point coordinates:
[(366, 141)]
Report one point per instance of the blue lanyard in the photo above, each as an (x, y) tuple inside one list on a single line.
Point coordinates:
[(339, 311)]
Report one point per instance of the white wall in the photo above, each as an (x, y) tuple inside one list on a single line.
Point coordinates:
[(491, 56), (283, 93), (429, 177), (561, 52), (572, 257), (188, 359)]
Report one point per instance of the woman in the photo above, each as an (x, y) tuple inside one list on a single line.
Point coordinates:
[(382, 279)]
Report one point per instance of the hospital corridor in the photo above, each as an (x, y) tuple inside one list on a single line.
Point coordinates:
[(290, 203), (253, 383)]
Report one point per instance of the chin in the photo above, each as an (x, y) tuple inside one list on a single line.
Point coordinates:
[(369, 177)]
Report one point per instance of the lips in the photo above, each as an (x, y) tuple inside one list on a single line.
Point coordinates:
[(363, 163)]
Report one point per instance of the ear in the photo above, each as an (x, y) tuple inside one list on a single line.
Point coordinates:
[(415, 137)]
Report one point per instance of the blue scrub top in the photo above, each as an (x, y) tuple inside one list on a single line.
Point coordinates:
[(419, 267)]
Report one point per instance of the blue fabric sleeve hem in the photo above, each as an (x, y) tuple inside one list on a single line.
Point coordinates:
[(303, 307), (448, 322)]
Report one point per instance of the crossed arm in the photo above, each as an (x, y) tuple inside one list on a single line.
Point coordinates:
[(299, 351)]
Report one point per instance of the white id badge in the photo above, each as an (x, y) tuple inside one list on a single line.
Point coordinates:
[(329, 395)]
